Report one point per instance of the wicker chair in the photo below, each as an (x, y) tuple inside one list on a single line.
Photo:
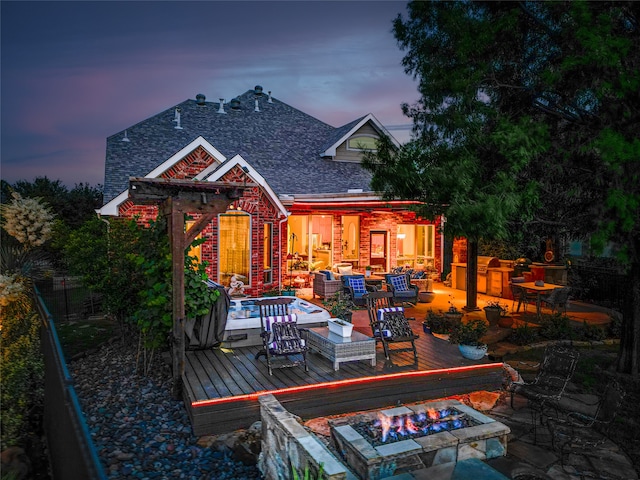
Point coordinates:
[(280, 335), (323, 287)]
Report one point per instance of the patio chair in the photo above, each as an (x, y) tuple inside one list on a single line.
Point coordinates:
[(280, 335), (401, 288), (557, 299), (356, 287), (519, 295), (577, 433), (325, 287), (556, 369), (389, 325)]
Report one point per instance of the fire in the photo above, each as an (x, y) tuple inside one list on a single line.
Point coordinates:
[(419, 424)]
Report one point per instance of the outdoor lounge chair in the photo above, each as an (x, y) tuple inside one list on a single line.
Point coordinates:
[(280, 335), (389, 325), (401, 289), (578, 433), (556, 369)]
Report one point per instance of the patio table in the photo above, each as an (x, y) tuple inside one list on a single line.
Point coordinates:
[(539, 290), (342, 349)]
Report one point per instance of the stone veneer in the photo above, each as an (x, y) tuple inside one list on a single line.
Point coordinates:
[(484, 441), (286, 444)]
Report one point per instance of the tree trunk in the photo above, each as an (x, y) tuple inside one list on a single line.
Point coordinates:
[(472, 275), (630, 335)]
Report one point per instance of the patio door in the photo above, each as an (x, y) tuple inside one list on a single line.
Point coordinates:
[(378, 253)]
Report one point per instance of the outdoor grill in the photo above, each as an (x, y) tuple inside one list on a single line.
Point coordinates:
[(484, 264)]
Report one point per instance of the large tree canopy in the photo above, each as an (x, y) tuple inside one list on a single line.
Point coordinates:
[(528, 121)]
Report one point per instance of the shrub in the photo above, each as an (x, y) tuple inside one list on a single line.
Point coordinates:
[(439, 323), (590, 332), (22, 374), (556, 327), (468, 333), (523, 335)]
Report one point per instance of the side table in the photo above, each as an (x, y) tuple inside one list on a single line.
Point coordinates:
[(342, 349)]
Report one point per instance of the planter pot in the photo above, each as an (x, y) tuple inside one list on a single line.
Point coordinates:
[(426, 297), (473, 352), (454, 317), (505, 322), (425, 328), (367, 273), (492, 314), (288, 293), (340, 327)]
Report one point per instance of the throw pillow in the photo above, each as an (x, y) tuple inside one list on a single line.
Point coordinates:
[(357, 284), (399, 283), (345, 270)]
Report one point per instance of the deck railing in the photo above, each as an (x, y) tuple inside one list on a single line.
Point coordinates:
[(72, 454)]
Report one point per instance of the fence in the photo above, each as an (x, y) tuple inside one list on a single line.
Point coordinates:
[(602, 286), (71, 451)]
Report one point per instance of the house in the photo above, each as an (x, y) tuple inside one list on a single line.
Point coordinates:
[(309, 205)]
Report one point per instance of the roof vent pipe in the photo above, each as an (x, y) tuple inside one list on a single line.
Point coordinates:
[(200, 99), (235, 103), (125, 138), (257, 107), (221, 108), (176, 119), (269, 101), (258, 90)]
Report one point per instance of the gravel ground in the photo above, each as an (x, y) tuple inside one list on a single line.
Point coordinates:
[(138, 429)]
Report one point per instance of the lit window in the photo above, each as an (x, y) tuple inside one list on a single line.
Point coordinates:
[(267, 248), (234, 247)]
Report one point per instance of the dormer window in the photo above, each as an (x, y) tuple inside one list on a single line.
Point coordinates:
[(362, 143)]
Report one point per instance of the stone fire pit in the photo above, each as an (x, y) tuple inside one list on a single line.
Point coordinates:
[(458, 433)]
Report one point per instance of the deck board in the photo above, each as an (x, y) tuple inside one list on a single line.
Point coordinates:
[(221, 386)]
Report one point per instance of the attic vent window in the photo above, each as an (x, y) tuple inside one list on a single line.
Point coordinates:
[(362, 142), (200, 98)]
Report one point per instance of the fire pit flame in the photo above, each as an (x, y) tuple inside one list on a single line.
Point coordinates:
[(391, 429)]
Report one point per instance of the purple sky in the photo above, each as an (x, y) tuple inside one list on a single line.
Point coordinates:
[(74, 73)]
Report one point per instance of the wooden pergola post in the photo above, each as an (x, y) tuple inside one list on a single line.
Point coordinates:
[(176, 199)]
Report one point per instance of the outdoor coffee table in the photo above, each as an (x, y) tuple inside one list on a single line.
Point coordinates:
[(342, 349)]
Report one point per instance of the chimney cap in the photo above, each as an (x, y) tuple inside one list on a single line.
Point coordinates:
[(235, 103), (257, 90), (200, 98)]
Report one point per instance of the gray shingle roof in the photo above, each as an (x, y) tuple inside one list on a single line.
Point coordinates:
[(282, 143)]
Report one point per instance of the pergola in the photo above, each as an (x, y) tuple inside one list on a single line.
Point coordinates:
[(175, 198)]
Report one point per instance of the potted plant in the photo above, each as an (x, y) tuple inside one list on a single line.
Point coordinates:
[(438, 325), (340, 306), (494, 310), (467, 336), (453, 313), (367, 271)]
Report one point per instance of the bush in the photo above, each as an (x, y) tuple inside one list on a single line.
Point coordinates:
[(468, 333), (439, 323), (590, 332), (22, 374), (556, 327), (523, 335)]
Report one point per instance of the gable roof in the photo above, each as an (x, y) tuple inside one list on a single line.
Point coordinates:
[(343, 133), (280, 142)]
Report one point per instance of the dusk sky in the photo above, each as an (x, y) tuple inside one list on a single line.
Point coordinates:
[(74, 73)]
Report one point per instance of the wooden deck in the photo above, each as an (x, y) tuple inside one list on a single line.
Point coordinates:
[(221, 388)]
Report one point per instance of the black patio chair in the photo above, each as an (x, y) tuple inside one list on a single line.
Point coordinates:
[(557, 299), (519, 295), (356, 288), (280, 335), (579, 433), (389, 325), (402, 289), (555, 371)]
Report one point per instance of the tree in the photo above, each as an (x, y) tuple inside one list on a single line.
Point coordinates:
[(528, 121)]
